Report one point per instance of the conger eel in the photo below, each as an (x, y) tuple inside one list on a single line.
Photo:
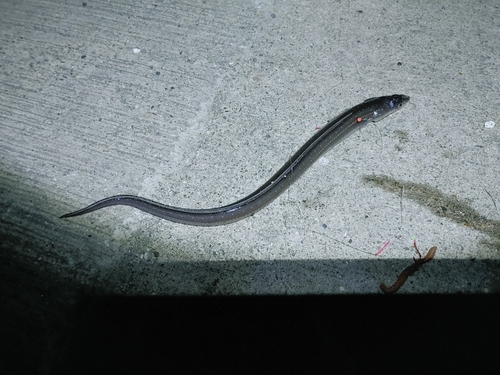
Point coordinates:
[(333, 133)]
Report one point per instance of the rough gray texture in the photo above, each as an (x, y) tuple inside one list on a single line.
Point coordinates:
[(217, 98)]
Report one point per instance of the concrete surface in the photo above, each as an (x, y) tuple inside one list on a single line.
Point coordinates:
[(213, 103), (197, 104)]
